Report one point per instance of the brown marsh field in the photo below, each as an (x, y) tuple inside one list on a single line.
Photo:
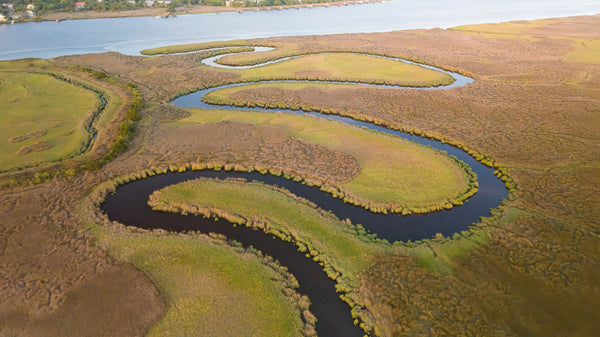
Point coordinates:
[(534, 269)]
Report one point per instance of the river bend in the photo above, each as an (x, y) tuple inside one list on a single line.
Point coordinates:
[(128, 205)]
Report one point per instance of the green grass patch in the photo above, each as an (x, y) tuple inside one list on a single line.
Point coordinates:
[(504, 30), (186, 48), (586, 51), (394, 172), (213, 289), (42, 118), (346, 67), (275, 210)]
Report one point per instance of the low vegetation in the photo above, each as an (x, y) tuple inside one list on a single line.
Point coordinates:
[(530, 269), (228, 46), (347, 67), (214, 288), (86, 122), (344, 250), (395, 175), (43, 118), (319, 234)]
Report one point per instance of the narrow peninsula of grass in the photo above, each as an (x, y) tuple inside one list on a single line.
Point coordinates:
[(274, 210), (43, 118), (349, 67), (191, 47), (395, 174)]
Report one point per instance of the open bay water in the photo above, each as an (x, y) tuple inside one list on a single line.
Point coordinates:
[(130, 35)]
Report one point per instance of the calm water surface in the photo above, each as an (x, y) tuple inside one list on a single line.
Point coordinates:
[(130, 35)]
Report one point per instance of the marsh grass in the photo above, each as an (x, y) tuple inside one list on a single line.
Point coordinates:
[(337, 246), (186, 48), (349, 67), (394, 174), (213, 288), (504, 30), (271, 209), (33, 102), (529, 114), (585, 51)]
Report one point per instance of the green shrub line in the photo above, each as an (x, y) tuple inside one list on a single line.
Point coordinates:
[(127, 127), (337, 80)]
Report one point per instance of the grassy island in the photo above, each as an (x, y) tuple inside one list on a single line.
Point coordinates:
[(274, 210)]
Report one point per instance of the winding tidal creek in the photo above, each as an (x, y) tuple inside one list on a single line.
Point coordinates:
[(128, 205)]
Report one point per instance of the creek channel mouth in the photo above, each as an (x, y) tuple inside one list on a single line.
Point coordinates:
[(128, 205)]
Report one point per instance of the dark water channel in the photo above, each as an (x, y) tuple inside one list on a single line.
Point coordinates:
[(128, 205)]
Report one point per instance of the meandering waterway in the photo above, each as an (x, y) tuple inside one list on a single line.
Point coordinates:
[(129, 206)]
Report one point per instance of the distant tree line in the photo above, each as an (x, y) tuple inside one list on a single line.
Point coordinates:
[(41, 5), (44, 6)]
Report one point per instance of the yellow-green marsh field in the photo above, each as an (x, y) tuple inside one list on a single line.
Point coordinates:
[(212, 288), (393, 171), (347, 67), (42, 118), (278, 210)]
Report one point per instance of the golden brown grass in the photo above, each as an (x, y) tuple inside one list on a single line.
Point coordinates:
[(532, 272), (393, 173)]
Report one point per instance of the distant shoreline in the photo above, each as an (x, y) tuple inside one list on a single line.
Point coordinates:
[(196, 9)]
